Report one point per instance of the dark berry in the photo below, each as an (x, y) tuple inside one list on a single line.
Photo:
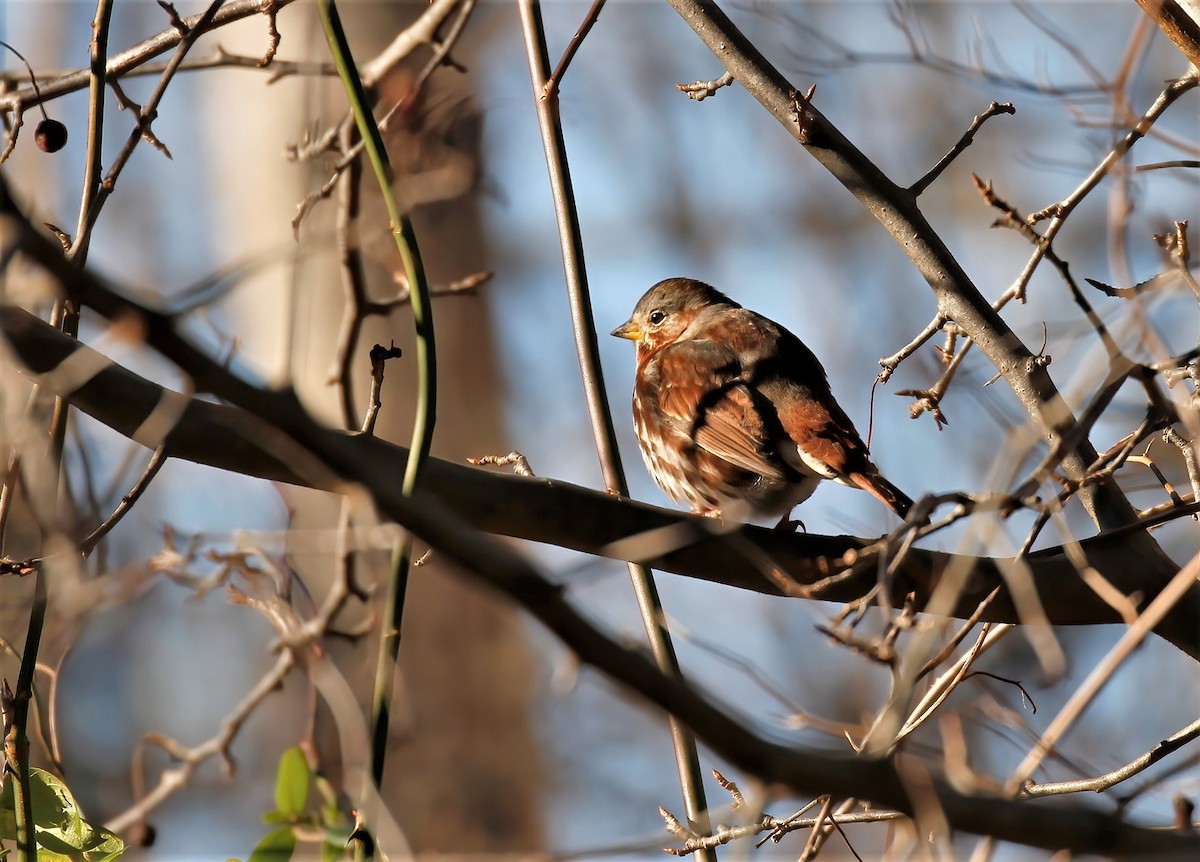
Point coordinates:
[(51, 135)]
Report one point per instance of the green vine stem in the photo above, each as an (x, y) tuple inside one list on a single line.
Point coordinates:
[(16, 743), (426, 410)]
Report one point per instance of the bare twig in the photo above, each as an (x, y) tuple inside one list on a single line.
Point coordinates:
[(945, 685), (891, 363), (1187, 449), (701, 90), (426, 28), (1059, 212), (1173, 163), (351, 274), (550, 88), (1151, 283), (90, 211), (441, 51), (923, 52), (1102, 673), (965, 141), (139, 487), (189, 758), (513, 459), (128, 104), (777, 827), (379, 356), (1168, 746), (273, 37)]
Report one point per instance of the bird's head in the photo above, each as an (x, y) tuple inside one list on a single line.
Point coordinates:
[(665, 312)]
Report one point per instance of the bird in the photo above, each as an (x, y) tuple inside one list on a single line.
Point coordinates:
[(733, 413)]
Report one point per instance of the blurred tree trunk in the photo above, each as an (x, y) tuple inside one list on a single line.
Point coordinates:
[(466, 669)]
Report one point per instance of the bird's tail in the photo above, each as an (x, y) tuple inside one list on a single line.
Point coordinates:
[(884, 491)]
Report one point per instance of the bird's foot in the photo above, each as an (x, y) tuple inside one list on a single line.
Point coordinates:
[(787, 525)]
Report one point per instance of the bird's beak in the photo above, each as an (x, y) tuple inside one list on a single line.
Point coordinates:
[(629, 330)]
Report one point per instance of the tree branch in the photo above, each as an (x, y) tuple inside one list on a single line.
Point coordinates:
[(557, 513), (336, 458), (896, 209), (274, 420), (121, 63), (1178, 21)]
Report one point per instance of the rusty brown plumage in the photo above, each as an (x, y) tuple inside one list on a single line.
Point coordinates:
[(730, 407)]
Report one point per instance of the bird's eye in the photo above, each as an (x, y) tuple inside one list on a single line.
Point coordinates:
[(657, 317)]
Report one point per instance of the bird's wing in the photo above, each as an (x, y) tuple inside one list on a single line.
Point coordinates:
[(827, 442), (701, 395)]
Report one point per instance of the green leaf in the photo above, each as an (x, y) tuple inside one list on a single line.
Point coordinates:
[(331, 814), (276, 846), (327, 790), (331, 852), (292, 782), (60, 829), (339, 835)]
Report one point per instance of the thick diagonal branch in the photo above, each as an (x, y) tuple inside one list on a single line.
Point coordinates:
[(553, 512), (896, 209)]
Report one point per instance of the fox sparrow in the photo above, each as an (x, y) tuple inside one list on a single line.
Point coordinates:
[(733, 410)]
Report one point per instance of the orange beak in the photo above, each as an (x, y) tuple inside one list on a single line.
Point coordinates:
[(629, 330)]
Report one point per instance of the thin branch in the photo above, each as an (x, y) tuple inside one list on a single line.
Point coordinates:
[(1187, 449), (948, 650), (422, 31), (95, 139), (1011, 218), (944, 686), (190, 758), (687, 758), (1060, 211), (700, 90), (965, 141), (891, 363), (139, 487), (94, 202), (1153, 282), (921, 52), (1173, 163), (273, 37), (550, 89), (1083, 696), (518, 462), (441, 50), (351, 274), (16, 719), (379, 356), (130, 59), (1100, 783)]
